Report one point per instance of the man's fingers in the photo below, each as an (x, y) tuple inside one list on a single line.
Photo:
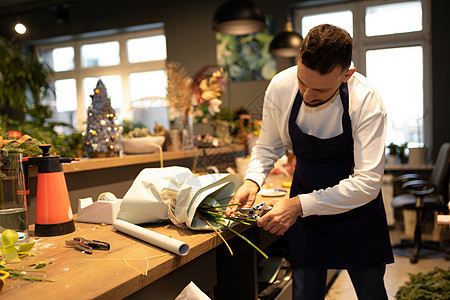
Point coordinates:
[(233, 206), (270, 202), (273, 223)]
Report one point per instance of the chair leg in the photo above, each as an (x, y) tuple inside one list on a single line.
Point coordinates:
[(417, 238), (417, 243)]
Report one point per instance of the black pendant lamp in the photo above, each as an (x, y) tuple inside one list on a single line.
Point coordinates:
[(238, 17), (286, 43)]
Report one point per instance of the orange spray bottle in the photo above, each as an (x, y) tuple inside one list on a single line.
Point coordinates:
[(53, 211)]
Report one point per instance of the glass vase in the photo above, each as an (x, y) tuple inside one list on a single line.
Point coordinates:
[(187, 132), (13, 204)]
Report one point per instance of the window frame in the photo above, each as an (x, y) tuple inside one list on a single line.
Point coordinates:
[(124, 68), (363, 43)]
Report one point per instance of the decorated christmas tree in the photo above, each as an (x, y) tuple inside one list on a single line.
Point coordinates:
[(102, 136)]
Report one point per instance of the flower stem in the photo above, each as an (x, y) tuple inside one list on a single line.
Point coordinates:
[(217, 216), (218, 233)]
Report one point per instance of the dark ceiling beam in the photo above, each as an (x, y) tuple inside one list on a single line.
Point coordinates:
[(15, 7)]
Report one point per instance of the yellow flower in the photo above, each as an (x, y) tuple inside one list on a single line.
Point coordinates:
[(209, 95)]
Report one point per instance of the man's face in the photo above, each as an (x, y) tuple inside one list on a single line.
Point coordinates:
[(315, 88)]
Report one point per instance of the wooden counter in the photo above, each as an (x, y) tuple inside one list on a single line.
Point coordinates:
[(133, 268), (129, 266)]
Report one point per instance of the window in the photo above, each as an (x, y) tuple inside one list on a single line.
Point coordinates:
[(392, 49), (155, 49), (405, 104), (343, 19), (63, 59), (130, 64), (66, 95), (393, 18), (100, 54)]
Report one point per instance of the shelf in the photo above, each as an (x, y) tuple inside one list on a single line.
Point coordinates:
[(89, 164)]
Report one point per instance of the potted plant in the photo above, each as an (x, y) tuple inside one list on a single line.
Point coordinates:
[(23, 79), (393, 155), (402, 153)]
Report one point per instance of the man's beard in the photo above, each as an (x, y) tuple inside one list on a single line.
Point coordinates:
[(320, 103)]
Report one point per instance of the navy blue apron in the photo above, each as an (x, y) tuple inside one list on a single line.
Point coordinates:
[(356, 239)]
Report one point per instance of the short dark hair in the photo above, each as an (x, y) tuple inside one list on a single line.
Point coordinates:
[(325, 47)]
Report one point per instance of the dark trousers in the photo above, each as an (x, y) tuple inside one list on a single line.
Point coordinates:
[(310, 284)]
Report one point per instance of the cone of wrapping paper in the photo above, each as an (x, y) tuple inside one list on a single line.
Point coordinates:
[(157, 193)]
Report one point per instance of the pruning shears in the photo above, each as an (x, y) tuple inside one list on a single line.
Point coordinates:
[(86, 246), (255, 212)]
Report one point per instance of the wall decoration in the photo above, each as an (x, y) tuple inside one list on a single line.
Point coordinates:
[(247, 57)]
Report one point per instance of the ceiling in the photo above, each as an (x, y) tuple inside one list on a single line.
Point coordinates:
[(12, 7)]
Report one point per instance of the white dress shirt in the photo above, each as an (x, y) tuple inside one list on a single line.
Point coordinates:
[(368, 118)]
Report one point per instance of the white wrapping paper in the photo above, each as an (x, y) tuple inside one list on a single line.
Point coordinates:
[(155, 191), (154, 238), (192, 292)]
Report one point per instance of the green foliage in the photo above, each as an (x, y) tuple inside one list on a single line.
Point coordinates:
[(28, 148), (393, 149), (23, 81), (42, 132), (134, 129), (216, 215), (399, 150), (20, 73), (139, 132), (35, 124), (128, 126), (434, 285), (402, 150), (69, 145), (23, 274)]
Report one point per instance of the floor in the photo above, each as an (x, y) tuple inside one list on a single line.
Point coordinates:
[(396, 273)]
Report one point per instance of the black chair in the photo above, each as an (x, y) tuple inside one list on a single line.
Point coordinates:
[(422, 196)]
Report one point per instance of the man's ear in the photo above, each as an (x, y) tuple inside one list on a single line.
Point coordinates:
[(348, 74)]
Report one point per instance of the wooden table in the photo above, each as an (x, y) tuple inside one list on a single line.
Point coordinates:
[(127, 267), (132, 267)]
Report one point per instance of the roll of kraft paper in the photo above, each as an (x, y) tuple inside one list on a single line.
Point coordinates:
[(152, 237)]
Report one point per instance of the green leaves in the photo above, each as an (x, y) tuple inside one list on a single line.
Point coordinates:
[(23, 274), (40, 264), (433, 285), (9, 238), (21, 72), (13, 253), (9, 251)]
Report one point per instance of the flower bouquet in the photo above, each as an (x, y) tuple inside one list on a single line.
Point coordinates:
[(208, 87), (188, 201)]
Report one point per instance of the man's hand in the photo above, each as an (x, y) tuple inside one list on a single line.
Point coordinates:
[(282, 216), (245, 195)]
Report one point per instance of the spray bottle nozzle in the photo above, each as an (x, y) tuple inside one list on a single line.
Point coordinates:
[(45, 149)]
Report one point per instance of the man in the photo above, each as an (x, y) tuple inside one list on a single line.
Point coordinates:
[(334, 121)]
